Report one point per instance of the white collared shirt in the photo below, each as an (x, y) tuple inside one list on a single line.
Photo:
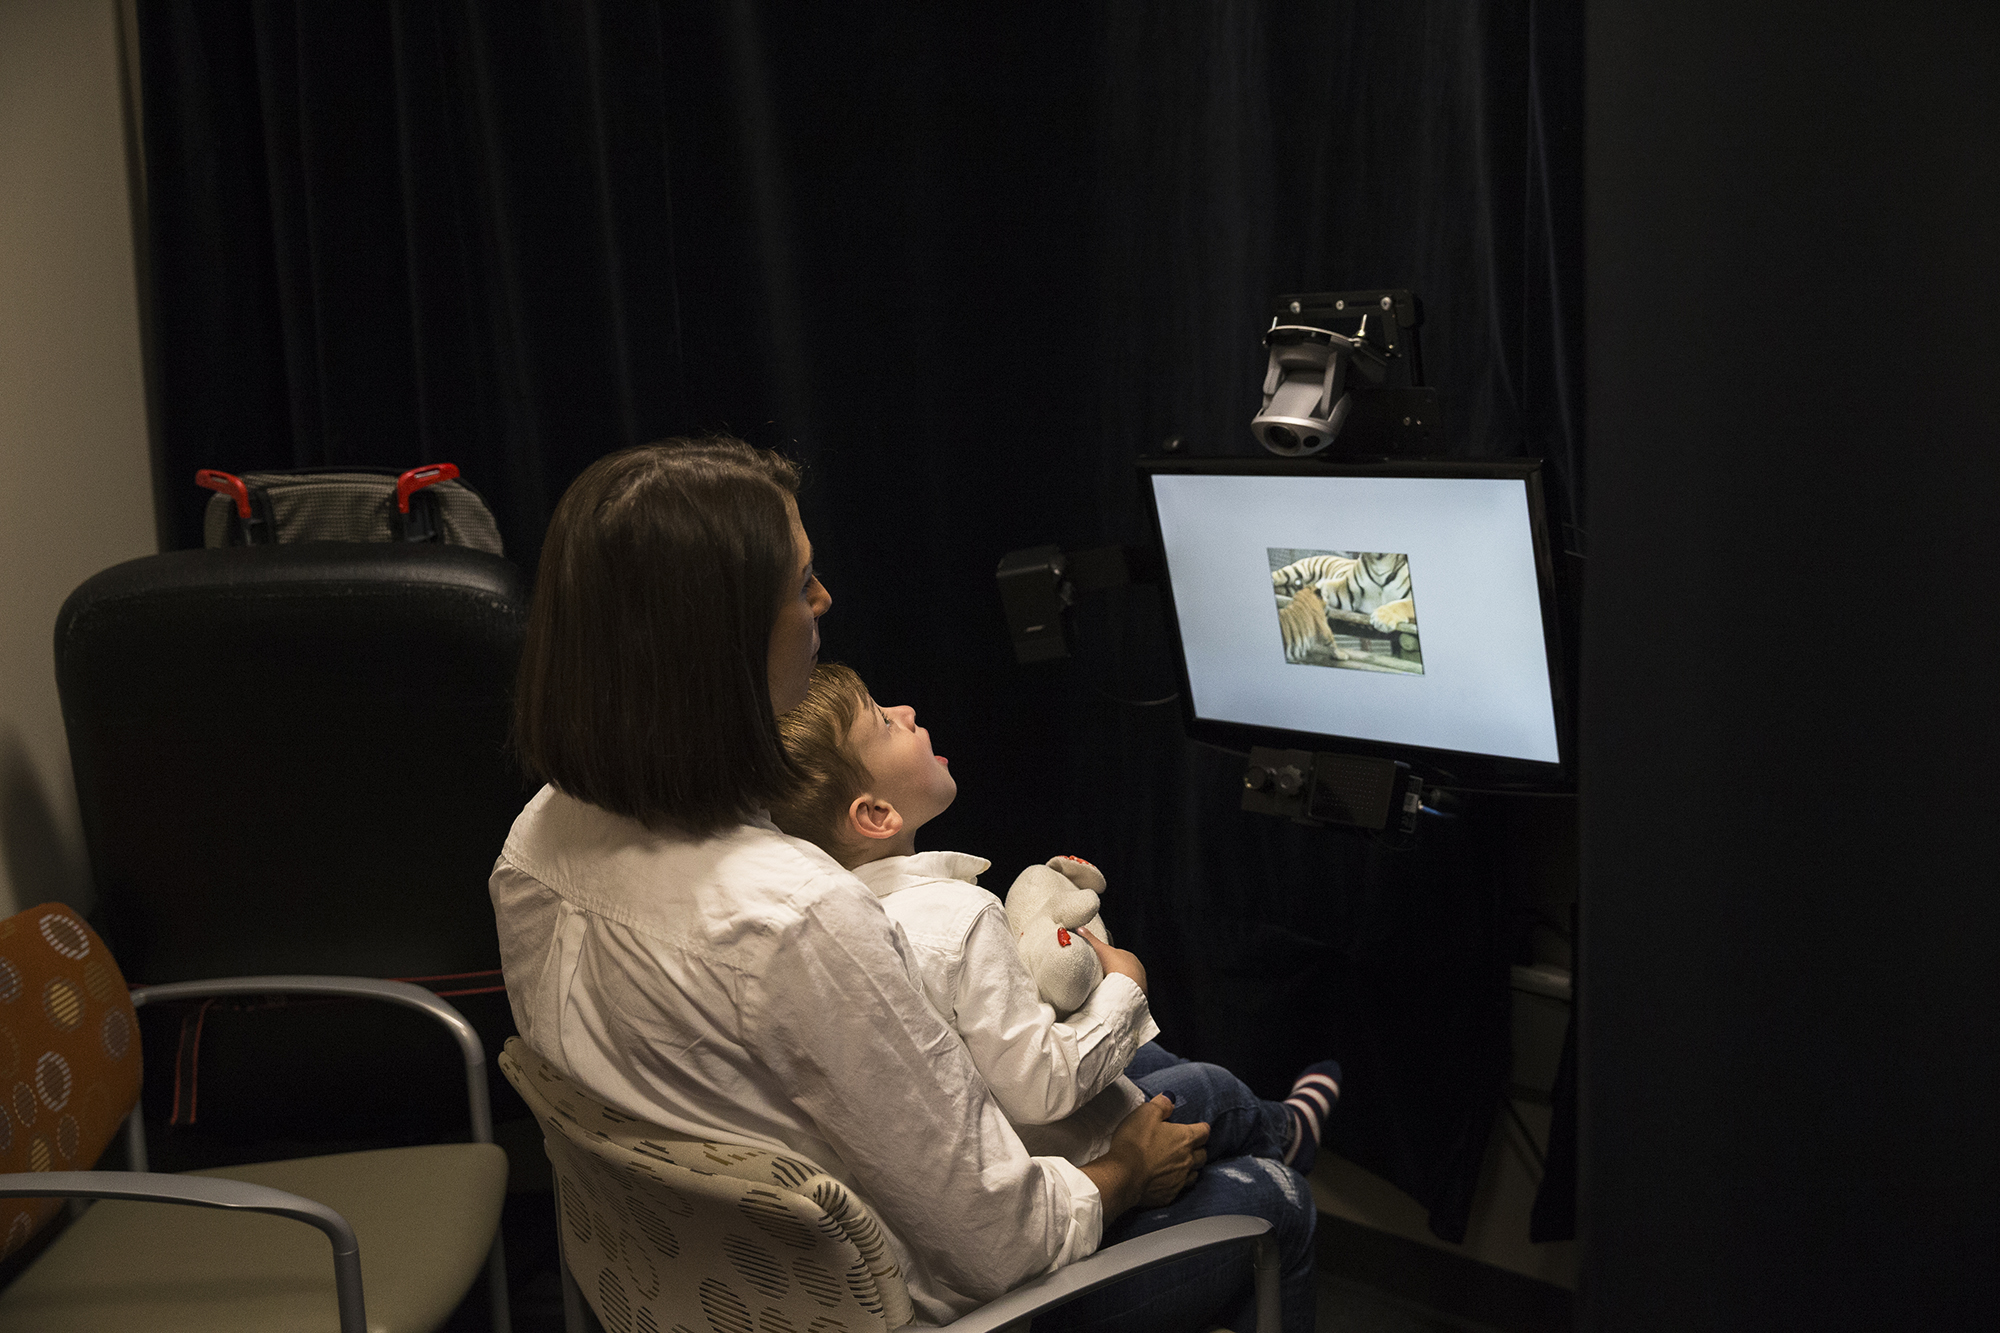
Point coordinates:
[(745, 988), (1059, 1081)]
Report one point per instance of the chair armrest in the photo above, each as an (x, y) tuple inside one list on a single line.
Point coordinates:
[(1125, 1259), (210, 1192), (364, 988)]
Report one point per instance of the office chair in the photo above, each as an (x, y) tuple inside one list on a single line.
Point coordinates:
[(292, 759), (658, 1230), (223, 1251)]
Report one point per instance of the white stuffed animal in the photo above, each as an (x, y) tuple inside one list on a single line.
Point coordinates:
[(1046, 906)]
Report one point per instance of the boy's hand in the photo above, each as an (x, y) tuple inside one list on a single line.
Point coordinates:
[(1122, 961)]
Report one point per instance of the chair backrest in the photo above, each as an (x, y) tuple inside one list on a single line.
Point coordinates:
[(660, 1229), (69, 1055), (294, 758)]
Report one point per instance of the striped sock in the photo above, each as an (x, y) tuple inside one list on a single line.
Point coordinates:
[(1314, 1095)]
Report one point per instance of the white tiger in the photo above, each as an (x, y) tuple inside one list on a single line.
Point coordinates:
[(1302, 624), (1374, 583)]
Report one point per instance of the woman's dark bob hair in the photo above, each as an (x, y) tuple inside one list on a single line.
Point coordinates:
[(644, 683)]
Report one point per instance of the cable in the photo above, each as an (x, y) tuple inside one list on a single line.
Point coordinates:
[(1103, 693), (1547, 922), (1136, 703), (1528, 1135)]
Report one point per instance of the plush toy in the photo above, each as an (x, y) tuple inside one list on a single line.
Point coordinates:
[(1046, 906)]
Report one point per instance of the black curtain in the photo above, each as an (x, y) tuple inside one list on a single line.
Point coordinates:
[(395, 233), (967, 267)]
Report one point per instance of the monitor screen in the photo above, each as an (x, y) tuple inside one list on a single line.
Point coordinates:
[(1399, 609)]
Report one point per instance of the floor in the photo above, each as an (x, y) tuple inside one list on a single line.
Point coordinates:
[(1371, 1280), (1348, 1306), (1344, 1307), (1368, 1283)]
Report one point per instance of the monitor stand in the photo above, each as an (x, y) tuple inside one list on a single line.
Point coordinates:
[(1349, 790)]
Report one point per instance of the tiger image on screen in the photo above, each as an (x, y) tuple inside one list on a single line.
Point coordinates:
[(1355, 610)]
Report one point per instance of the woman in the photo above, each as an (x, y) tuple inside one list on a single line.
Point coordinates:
[(666, 946)]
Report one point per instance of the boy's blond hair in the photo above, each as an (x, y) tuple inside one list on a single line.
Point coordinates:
[(830, 776)]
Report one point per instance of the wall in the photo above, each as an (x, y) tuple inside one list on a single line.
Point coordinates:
[(73, 438), (1786, 1027)]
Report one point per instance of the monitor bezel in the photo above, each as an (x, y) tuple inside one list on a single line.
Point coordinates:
[(1462, 768)]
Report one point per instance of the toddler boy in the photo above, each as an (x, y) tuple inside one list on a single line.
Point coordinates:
[(871, 781)]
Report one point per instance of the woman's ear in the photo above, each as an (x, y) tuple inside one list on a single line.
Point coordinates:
[(873, 818)]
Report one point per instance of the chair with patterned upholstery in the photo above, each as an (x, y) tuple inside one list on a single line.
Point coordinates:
[(659, 1231), (420, 1221)]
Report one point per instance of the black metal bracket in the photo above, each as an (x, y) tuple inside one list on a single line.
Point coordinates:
[(1387, 419), (1350, 790), (1039, 584)]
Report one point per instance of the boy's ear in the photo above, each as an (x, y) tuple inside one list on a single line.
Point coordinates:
[(873, 818)]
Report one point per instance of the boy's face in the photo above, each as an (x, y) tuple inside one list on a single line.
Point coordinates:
[(901, 768)]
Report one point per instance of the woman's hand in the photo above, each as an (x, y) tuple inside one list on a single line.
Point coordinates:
[(1150, 1161), (1122, 961)]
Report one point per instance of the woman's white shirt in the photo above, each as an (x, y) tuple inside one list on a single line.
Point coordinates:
[(745, 988)]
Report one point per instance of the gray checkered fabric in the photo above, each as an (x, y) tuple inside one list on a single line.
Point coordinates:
[(351, 507)]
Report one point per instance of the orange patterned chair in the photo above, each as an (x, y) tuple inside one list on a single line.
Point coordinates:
[(69, 1056), (423, 1218)]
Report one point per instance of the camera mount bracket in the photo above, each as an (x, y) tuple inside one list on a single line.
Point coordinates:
[(1040, 583)]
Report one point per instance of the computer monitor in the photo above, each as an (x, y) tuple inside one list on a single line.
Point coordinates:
[(1399, 610)]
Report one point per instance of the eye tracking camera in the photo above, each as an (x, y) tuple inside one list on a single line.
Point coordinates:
[(1306, 401), (1327, 377)]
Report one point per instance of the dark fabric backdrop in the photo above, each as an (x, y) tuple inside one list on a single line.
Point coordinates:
[(967, 267)]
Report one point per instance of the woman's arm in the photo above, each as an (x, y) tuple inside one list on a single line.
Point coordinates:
[(1040, 1070), (1150, 1161)]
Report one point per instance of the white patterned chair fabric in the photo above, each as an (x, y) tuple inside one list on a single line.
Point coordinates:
[(668, 1234)]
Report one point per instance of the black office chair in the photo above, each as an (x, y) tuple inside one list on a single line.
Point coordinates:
[(292, 759)]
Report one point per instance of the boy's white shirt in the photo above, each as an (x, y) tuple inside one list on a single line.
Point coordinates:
[(1060, 1081)]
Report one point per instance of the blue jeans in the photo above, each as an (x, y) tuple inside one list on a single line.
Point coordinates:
[(1243, 1175), (1240, 1123)]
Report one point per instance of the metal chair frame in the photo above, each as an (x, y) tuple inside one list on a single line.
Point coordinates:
[(137, 1183), (1013, 1311)]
